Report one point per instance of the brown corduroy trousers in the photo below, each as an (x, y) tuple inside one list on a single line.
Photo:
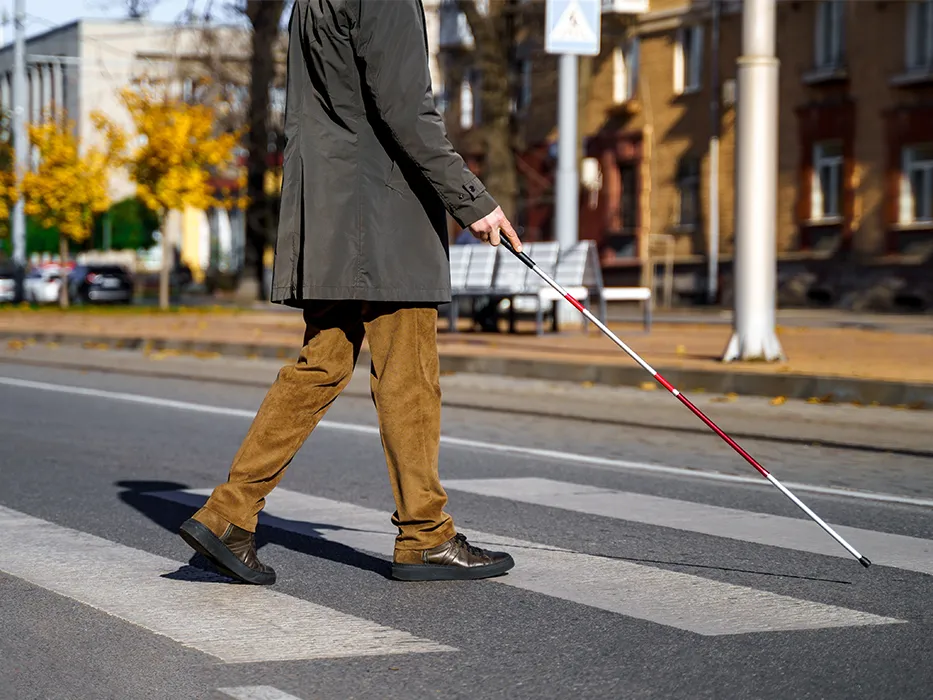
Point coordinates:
[(405, 385)]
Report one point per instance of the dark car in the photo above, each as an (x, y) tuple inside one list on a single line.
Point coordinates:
[(100, 283)]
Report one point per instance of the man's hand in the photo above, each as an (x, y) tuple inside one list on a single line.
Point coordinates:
[(488, 228)]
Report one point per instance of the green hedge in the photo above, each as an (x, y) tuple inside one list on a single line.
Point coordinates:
[(131, 227)]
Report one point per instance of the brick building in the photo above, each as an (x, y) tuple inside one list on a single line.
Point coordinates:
[(855, 183)]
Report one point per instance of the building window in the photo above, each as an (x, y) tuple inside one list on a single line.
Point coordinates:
[(920, 36), (826, 192), (625, 71), (628, 205), (466, 104), (441, 98), (521, 99), (454, 29), (688, 190), (688, 59), (830, 34), (916, 200), (470, 114)]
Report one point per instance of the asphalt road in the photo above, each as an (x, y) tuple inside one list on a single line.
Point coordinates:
[(642, 571)]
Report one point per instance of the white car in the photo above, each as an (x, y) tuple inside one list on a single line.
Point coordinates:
[(7, 287), (42, 286)]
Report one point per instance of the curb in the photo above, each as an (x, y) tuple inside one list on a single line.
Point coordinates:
[(793, 386)]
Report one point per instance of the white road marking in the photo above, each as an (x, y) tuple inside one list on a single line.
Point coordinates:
[(670, 598), (885, 549), (518, 450), (257, 692), (234, 623)]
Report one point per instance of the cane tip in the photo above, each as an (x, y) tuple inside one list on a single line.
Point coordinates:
[(864, 562)]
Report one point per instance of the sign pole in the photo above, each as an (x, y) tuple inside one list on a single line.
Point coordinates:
[(572, 29), (567, 209)]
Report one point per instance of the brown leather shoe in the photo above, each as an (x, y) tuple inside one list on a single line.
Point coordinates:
[(233, 554), (454, 560)]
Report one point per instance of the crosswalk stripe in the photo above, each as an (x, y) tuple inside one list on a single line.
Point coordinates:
[(899, 551), (679, 600), (234, 623), (257, 692)]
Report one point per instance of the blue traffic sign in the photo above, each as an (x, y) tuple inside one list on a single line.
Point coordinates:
[(572, 26)]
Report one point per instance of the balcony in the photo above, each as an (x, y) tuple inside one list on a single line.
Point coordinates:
[(630, 7), (833, 72), (914, 75)]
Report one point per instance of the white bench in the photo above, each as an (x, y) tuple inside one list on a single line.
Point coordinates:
[(484, 271), (641, 294), (472, 271)]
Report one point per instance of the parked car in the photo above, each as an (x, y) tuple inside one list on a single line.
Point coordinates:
[(7, 283), (43, 285), (100, 283)]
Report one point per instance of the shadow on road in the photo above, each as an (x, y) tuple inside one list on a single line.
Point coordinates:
[(271, 530)]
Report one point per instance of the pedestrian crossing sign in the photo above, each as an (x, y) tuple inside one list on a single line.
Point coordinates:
[(573, 26)]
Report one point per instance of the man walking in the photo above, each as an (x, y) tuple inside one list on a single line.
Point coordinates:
[(369, 177)]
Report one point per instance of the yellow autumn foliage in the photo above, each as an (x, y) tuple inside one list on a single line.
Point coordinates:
[(8, 190), (68, 186), (177, 152)]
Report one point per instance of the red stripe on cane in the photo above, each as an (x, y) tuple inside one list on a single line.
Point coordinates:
[(576, 304), (711, 425)]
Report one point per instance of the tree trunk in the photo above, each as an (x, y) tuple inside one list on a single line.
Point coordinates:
[(493, 36), (264, 16), (63, 253), (166, 267)]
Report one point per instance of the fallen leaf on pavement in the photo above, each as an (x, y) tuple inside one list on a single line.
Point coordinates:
[(778, 400)]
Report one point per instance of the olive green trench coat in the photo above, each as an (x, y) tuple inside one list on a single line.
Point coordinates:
[(369, 174)]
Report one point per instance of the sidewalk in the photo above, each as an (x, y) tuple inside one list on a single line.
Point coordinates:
[(826, 363)]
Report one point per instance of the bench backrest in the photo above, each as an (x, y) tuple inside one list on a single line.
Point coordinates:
[(511, 273), (578, 266), (546, 255), (459, 264), (482, 267)]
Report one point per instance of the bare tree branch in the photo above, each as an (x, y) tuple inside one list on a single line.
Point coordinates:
[(494, 39)]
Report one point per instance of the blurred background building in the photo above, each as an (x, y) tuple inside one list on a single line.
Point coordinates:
[(855, 200)]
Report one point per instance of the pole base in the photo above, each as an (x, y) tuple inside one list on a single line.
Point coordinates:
[(864, 562), (747, 348)]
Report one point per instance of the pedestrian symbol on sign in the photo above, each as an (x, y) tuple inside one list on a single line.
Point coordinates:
[(572, 26)]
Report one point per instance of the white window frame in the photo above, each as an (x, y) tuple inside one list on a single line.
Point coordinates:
[(916, 207), (830, 54), (470, 86), (625, 71), (919, 37), (826, 204), (467, 103), (688, 70)]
